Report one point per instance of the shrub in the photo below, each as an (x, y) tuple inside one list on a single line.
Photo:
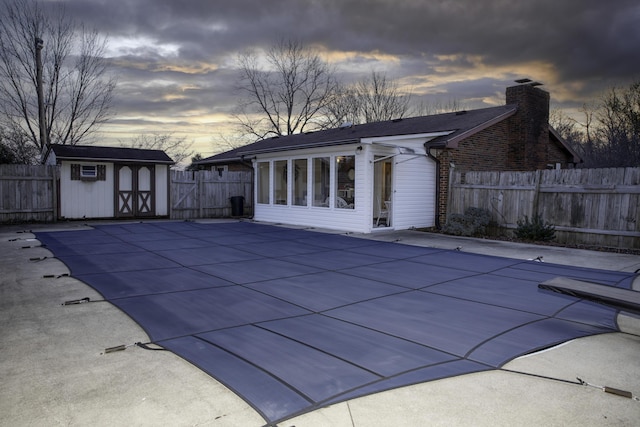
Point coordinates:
[(536, 229), (473, 222)]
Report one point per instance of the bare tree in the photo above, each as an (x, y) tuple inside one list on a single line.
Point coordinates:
[(285, 92), (177, 148), (568, 128), (373, 99), (609, 133), (15, 147), (618, 126), (439, 107), (75, 85)]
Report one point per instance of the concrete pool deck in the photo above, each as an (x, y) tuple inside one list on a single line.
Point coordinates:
[(54, 370)]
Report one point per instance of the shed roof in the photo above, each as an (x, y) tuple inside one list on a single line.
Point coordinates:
[(112, 154), (461, 124)]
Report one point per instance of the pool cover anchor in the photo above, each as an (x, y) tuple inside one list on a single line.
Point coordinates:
[(610, 390), (77, 301), (123, 347), (55, 276)]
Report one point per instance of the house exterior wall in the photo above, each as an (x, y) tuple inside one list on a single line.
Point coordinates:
[(413, 180), (557, 155), (314, 216), (486, 150), (415, 192), (86, 198)]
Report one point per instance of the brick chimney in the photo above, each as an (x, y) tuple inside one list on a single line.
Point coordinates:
[(528, 128)]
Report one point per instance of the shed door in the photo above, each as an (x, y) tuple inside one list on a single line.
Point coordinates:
[(135, 191)]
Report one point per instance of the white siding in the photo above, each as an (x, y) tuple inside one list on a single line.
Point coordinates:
[(162, 190), (357, 219), (413, 202), (414, 196), (86, 199)]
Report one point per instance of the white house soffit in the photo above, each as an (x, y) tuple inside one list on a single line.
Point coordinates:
[(389, 139), (407, 151), (400, 148)]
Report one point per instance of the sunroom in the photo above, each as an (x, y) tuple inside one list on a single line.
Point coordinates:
[(366, 185)]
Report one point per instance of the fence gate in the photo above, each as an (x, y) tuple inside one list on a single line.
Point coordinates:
[(207, 194), (135, 190)]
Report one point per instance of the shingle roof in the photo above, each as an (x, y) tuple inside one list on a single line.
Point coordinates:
[(462, 124), (91, 152)]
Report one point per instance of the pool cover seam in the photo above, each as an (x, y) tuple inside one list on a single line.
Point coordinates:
[(259, 368), (349, 362)]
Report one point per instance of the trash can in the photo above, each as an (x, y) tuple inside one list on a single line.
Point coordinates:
[(237, 206)]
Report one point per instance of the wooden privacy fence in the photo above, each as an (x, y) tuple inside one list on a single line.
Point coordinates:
[(587, 206), (207, 194), (28, 193)]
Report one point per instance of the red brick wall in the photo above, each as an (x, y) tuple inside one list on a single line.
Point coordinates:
[(484, 151), (557, 154)]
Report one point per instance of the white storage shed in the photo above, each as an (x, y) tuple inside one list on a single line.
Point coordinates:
[(110, 182)]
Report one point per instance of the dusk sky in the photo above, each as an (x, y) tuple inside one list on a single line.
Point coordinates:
[(175, 59)]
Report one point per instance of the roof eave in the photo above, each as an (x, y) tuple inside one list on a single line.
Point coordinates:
[(565, 145), (217, 161), (301, 147), (114, 160)]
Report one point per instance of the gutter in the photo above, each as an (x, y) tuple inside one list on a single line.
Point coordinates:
[(428, 146), (299, 147), (114, 160)]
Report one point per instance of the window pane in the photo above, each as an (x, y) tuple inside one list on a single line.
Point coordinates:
[(345, 182), (321, 181), (300, 182), (263, 182), (280, 182)]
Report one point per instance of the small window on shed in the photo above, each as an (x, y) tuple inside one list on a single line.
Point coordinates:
[(88, 172)]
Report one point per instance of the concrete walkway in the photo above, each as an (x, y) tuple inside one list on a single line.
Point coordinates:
[(54, 371)]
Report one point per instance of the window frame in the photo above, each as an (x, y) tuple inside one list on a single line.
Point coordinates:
[(300, 192), (344, 167), (280, 193), (325, 197), (261, 190)]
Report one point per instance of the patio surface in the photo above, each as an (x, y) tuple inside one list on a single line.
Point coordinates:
[(296, 320)]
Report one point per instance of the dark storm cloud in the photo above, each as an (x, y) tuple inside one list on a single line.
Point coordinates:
[(579, 46)]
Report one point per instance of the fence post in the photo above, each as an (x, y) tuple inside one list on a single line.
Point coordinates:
[(200, 192), (54, 193)]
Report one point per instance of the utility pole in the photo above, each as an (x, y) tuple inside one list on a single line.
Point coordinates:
[(41, 118)]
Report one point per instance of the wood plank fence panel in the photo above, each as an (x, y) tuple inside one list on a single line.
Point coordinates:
[(207, 194), (587, 206), (28, 193)]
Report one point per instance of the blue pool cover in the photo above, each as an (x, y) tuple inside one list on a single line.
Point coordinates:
[(293, 320)]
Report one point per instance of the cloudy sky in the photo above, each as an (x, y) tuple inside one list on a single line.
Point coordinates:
[(175, 59)]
